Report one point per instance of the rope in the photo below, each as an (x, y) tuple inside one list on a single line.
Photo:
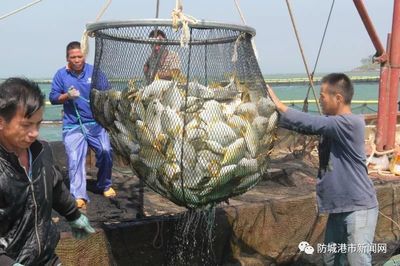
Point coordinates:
[(181, 20), (253, 43), (158, 234), (310, 78), (375, 152), (19, 9), (157, 8), (83, 129), (85, 36), (319, 51)]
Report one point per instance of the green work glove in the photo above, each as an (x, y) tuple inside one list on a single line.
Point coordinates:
[(81, 227), (17, 264)]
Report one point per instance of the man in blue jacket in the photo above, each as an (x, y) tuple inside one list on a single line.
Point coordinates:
[(30, 185), (344, 189), (71, 87)]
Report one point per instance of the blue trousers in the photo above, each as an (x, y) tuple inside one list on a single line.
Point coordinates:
[(76, 144), (353, 229)]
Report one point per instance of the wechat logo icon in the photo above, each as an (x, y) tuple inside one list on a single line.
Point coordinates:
[(305, 247)]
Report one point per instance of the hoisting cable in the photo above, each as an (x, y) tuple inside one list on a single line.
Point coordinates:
[(244, 23), (305, 105), (158, 8), (19, 9), (85, 36), (310, 79)]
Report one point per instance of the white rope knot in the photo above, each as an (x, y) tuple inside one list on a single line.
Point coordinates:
[(179, 19)]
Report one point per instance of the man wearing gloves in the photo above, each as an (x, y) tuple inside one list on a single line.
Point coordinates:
[(30, 185), (71, 87)]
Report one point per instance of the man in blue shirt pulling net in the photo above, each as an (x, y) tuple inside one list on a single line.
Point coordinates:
[(71, 87), (344, 189)]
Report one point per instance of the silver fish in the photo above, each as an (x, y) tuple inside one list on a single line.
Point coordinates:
[(265, 106), (229, 108), (228, 92), (272, 121), (225, 175), (212, 112), (189, 155), (221, 133), (246, 167), (145, 137), (247, 110), (171, 123), (215, 147), (184, 195), (156, 89), (171, 171), (153, 117), (234, 152), (151, 157), (140, 110), (197, 90), (108, 113), (237, 123), (193, 104), (195, 133), (173, 98), (192, 178), (251, 139), (127, 144), (260, 124), (207, 162), (248, 182)]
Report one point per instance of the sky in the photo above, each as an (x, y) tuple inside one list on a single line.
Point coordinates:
[(33, 41)]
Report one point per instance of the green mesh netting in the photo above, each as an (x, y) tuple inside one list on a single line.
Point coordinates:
[(195, 123)]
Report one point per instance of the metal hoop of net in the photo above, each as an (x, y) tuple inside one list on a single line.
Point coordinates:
[(195, 123)]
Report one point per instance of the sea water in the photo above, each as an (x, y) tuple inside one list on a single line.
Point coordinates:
[(362, 91)]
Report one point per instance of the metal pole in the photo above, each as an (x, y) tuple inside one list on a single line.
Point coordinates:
[(394, 60), (383, 106), (380, 51)]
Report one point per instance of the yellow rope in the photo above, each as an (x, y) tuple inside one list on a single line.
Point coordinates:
[(85, 36), (390, 219)]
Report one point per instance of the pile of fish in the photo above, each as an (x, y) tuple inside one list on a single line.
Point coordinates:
[(193, 144)]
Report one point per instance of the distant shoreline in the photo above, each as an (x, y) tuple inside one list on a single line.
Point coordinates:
[(288, 79)]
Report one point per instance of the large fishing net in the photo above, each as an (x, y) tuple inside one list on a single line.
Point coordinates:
[(195, 123)]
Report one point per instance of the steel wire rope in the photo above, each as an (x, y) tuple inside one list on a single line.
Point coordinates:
[(319, 53), (20, 9), (253, 43), (310, 79), (310, 76)]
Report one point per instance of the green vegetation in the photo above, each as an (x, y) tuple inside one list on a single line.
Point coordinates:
[(367, 64)]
